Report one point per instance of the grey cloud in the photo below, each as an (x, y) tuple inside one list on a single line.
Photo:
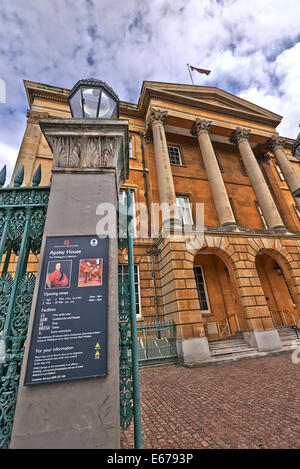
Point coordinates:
[(124, 43)]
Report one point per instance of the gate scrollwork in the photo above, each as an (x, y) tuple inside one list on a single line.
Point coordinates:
[(22, 219)]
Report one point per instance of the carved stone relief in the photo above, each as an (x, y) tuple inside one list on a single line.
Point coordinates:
[(84, 152)]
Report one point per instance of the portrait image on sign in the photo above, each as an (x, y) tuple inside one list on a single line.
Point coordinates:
[(59, 274)]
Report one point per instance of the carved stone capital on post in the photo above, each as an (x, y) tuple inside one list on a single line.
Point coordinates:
[(157, 115), (148, 137), (240, 134), (274, 142), (33, 116), (94, 144), (200, 125), (263, 157)]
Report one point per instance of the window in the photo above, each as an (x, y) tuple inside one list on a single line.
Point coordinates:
[(122, 220), (219, 162), (233, 209), (243, 167), (184, 210), (202, 292), (261, 215), (130, 147), (297, 210), (123, 273), (175, 155), (279, 172)]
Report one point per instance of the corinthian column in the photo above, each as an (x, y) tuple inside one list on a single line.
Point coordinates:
[(200, 129), (240, 138), (166, 188), (275, 145)]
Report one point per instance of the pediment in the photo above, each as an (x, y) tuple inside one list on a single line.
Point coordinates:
[(212, 98)]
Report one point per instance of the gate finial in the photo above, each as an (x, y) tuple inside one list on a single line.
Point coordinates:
[(3, 176), (19, 177), (37, 177)]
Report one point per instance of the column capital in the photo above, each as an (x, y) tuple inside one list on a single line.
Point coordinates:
[(263, 157), (157, 115), (33, 116), (275, 142), (147, 135), (200, 125), (239, 135)]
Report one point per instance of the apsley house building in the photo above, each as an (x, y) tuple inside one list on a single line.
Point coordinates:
[(225, 263)]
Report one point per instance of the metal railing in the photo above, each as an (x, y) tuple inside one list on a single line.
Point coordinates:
[(289, 318), (156, 342), (224, 327)]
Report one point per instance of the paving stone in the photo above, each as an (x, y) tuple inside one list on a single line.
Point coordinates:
[(246, 404)]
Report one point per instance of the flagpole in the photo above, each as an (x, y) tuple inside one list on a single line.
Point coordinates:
[(188, 66)]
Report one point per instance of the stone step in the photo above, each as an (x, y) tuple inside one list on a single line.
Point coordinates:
[(287, 334), (234, 352), (230, 346), (284, 337), (226, 344), (225, 341), (233, 347), (284, 328), (290, 341)]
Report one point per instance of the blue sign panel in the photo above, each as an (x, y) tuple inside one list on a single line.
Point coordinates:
[(69, 335)]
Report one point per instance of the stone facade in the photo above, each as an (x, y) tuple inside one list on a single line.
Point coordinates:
[(249, 251)]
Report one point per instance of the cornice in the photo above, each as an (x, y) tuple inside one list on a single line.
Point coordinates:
[(48, 92), (139, 110)]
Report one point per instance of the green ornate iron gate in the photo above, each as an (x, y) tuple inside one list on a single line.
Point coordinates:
[(22, 218)]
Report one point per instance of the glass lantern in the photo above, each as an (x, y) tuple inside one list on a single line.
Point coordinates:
[(93, 99)]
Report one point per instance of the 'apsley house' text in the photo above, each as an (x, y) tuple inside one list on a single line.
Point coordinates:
[(64, 253)]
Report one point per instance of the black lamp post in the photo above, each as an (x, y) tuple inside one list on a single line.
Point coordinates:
[(93, 98)]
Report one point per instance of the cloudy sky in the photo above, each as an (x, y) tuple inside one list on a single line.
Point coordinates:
[(252, 48)]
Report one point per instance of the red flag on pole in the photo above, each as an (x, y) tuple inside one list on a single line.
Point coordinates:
[(200, 70)]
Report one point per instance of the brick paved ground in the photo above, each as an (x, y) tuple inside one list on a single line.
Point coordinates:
[(248, 404)]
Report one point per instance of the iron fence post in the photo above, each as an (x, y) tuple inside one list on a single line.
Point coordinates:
[(4, 232), (19, 271), (135, 365)]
